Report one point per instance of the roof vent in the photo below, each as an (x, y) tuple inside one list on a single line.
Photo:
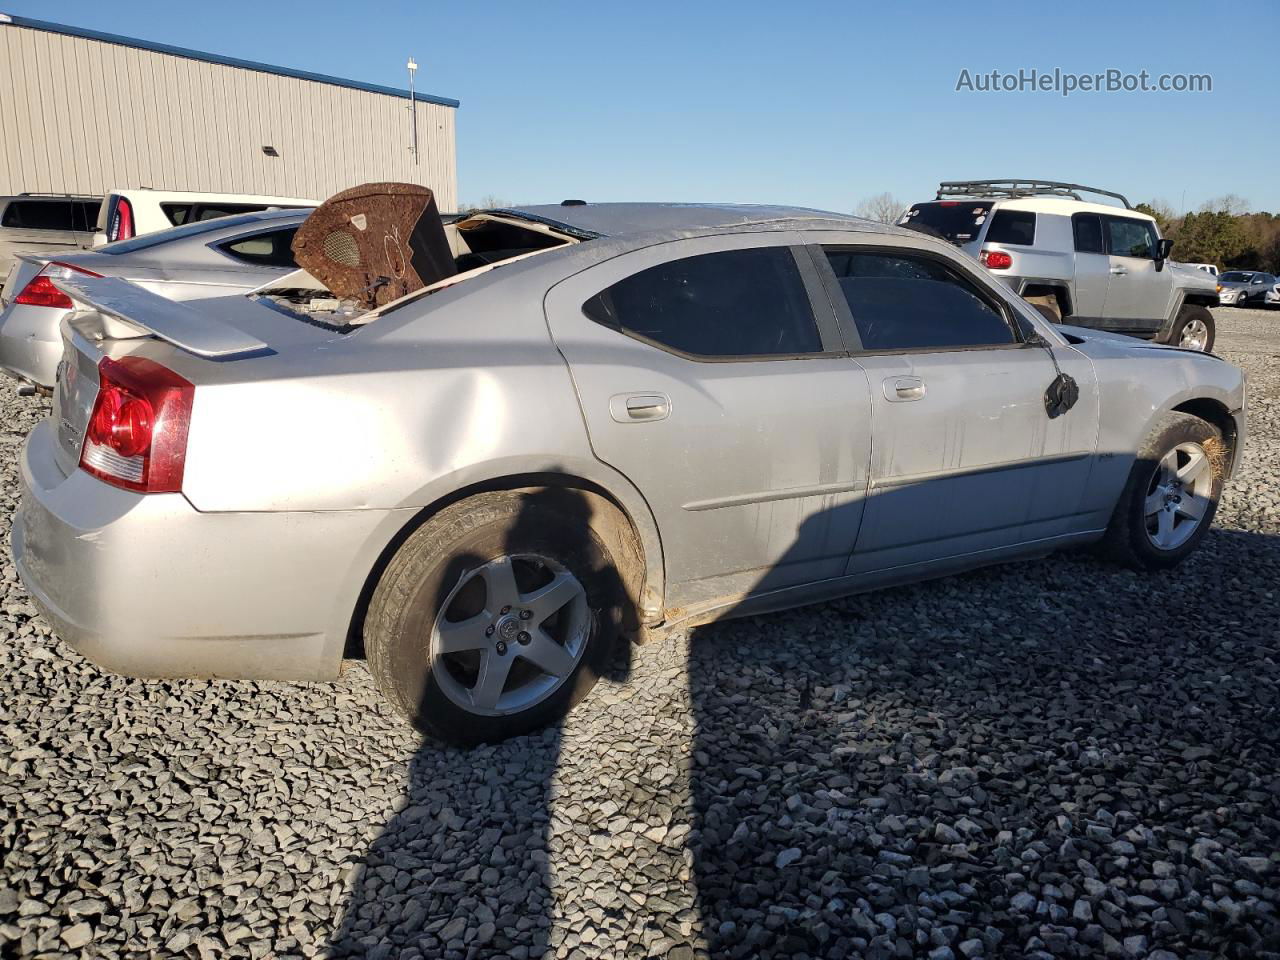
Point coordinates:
[(573, 203)]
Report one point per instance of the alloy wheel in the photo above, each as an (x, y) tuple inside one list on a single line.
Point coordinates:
[(1179, 496), (1195, 335), (509, 634)]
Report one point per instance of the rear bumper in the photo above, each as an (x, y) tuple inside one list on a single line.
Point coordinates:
[(31, 342), (147, 586)]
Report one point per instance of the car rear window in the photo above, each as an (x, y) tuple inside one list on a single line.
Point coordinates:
[(1017, 227), (1088, 232), (53, 214), (735, 303), (954, 220)]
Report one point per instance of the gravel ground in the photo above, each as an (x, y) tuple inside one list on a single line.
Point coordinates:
[(1053, 759)]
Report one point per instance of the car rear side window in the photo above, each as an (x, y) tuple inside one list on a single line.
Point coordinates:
[(273, 249), (736, 303), (1012, 226), (51, 214), (905, 302), (1088, 232)]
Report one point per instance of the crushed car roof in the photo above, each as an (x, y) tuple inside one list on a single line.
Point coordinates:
[(620, 219)]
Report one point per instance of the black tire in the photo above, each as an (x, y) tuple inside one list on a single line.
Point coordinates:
[(1189, 313), (1126, 540), (551, 523)]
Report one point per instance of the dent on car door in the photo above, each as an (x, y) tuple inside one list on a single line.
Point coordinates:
[(711, 374), (964, 456)]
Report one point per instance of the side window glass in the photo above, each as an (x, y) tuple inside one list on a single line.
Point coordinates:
[(1012, 227), (905, 302), (1130, 238), (274, 249), (1088, 231), (735, 303)]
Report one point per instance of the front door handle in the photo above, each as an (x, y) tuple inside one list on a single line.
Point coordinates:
[(639, 407), (902, 389), (1119, 271)]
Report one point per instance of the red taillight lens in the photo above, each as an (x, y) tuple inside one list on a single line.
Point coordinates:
[(121, 226), (996, 260), (41, 292), (137, 434)]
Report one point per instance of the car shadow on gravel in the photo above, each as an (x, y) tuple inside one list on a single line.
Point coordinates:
[(1055, 758), (441, 880)]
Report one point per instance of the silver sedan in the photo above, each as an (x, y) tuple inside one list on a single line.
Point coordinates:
[(211, 258), (634, 418)]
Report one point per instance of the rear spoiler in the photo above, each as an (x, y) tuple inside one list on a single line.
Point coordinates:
[(167, 319)]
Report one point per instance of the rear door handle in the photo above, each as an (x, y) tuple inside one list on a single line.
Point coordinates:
[(639, 407), (1119, 271), (903, 389)]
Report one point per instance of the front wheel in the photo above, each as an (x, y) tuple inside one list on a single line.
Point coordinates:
[(1193, 329), (1171, 495), (495, 617)]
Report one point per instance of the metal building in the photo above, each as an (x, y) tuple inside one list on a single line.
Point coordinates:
[(85, 112)]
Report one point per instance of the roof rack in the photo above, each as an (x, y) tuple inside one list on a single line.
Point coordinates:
[(1022, 188), (60, 196)]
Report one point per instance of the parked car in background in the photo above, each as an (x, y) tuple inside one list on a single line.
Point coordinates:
[(133, 212), (620, 416), (1094, 265), (209, 258), (1245, 288), (44, 223)]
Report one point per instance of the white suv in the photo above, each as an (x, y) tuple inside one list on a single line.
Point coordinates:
[(1094, 265)]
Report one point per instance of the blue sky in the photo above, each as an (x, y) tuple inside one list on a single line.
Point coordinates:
[(819, 104)]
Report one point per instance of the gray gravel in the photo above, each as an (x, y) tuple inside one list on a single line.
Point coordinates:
[(1053, 759)]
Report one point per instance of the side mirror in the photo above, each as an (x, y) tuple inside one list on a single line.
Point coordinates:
[(1164, 247)]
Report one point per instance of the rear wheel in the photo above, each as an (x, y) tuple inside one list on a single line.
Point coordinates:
[(1193, 329), (495, 617), (1171, 496)]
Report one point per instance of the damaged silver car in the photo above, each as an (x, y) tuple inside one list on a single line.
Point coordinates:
[(585, 424)]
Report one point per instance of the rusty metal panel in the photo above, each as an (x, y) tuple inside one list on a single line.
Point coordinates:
[(375, 243)]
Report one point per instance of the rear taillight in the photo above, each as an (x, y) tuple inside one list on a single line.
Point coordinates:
[(41, 292), (995, 260), (137, 434), (121, 225)]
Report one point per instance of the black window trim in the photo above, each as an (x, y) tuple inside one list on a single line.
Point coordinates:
[(844, 316), (824, 319)]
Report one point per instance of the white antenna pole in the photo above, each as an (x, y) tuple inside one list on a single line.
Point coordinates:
[(413, 112)]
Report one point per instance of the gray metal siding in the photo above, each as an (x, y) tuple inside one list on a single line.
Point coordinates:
[(84, 116)]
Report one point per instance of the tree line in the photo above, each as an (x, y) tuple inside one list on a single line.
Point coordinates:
[(1221, 232)]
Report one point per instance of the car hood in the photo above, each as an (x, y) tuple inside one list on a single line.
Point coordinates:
[(1121, 342), (1189, 278), (1232, 284)]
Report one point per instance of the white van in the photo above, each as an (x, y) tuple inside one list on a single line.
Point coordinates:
[(132, 212)]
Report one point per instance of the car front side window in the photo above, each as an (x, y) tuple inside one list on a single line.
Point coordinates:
[(1131, 238), (903, 301)]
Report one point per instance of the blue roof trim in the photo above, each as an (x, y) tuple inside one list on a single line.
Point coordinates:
[(223, 61)]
